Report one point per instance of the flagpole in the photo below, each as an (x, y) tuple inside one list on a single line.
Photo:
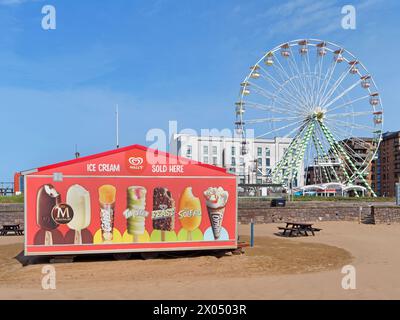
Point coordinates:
[(117, 125)]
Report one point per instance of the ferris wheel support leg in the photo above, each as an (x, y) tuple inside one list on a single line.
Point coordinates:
[(277, 174), (317, 147), (358, 173), (332, 143), (300, 155)]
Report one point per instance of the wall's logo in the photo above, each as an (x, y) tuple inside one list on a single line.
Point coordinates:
[(135, 161), (62, 213)]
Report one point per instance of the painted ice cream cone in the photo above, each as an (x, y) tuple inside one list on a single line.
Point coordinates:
[(216, 200), (107, 195)]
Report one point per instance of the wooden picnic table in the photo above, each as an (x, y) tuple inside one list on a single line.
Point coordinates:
[(11, 228), (298, 228)]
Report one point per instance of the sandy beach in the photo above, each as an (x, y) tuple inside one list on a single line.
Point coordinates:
[(276, 268)]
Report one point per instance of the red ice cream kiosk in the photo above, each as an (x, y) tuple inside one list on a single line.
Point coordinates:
[(131, 199)]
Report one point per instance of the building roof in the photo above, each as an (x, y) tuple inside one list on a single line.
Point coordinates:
[(121, 150), (390, 134)]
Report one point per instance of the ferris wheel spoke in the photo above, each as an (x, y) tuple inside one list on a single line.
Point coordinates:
[(282, 73), (261, 120), (320, 81), (278, 86), (299, 73), (327, 105), (285, 76), (314, 82), (281, 128), (265, 107), (307, 60), (348, 114), (335, 86), (292, 132), (352, 125), (305, 82), (272, 96), (347, 103), (327, 79), (289, 97)]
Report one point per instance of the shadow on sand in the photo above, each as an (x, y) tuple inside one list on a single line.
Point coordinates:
[(32, 260)]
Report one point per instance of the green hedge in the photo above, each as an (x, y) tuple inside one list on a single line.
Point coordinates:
[(12, 199)]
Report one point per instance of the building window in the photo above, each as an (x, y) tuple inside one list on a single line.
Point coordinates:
[(214, 150), (233, 161), (205, 149), (268, 162), (205, 159), (241, 180), (268, 172), (259, 181), (189, 150), (215, 161), (267, 152), (259, 162), (241, 161), (233, 150), (259, 152)]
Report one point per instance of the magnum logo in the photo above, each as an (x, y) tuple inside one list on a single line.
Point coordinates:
[(62, 213)]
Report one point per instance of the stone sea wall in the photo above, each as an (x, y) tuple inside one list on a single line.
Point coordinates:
[(309, 211), (262, 212), (11, 214)]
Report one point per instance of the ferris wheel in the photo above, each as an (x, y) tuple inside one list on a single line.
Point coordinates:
[(323, 98)]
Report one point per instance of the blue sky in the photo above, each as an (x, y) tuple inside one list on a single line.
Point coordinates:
[(159, 60)]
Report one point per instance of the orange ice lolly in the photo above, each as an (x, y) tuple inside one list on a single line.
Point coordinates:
[(189, 212)]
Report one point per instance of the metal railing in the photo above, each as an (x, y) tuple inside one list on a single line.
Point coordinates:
[(6, 188)]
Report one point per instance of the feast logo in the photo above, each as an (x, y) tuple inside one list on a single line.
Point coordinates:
[(135, 161)]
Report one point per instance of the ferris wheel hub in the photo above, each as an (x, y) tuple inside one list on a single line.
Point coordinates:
[(319, 113)]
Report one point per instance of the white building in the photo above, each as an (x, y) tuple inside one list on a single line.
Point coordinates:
[(253, 168)]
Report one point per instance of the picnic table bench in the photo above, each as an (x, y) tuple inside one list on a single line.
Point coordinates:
[(298, 228), (11, 228)]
